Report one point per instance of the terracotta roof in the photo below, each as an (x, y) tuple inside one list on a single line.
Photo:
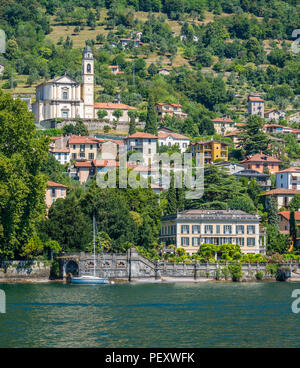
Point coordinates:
[(167, 104), (82, 140), (174, 135), (206, 142), (281, 191), (239, 124), (83, 164), (276, 126), (286, 215), (58, 150), (290, 169), (233, 133), (222, 120), (105, 163), (142, 135), (113, 66), (53, 184), (255, 99), (259, 157), (296, 131), (112, 106)]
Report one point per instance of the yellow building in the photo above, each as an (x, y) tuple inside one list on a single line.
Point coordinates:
[(192, 228), (83, 148), (211, 150)]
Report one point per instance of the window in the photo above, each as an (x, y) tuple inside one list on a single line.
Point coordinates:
[(208, 229), (185, 229), (65, 114), (196, 242), (91, 146), (149, 151), (53, 192), (74, 146), (251, 242), (65, 95), (227, 229), (91, 156), (196, 229), (240, 241), (74, 155), (82, 155), (218, 229), (250, 229), (185, 241), (88, 68), (240, 229)]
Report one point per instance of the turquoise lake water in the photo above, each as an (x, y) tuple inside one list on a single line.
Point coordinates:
[(213, 314)]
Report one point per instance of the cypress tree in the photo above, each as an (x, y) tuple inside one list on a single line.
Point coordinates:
[(171, 198), (151, 120), (293, 226), (132, 126), (273, 218)]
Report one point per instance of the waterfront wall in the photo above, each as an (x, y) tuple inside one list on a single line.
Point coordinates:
[(132, 265), (10, 270)]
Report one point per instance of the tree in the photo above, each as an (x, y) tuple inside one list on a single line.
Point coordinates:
[(132, 124), (101, 114), (117, 113), (151, 120), (295, 202), (293, 226), (68, 225), (22, 184), (171, 198), (152, 70), (273, 217), (252, 138)]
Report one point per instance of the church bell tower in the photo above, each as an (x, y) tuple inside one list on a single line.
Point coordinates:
[(88, 82)]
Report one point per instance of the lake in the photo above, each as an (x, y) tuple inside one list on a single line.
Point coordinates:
[(166, 315)]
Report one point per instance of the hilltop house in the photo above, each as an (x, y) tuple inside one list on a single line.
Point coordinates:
[(260, 162), (115, 69), (145, 143), (223, 125), (83, 148), (275, 115), (192, 228), (166, 109), (256, 106), (53, 192), (283, 196), (276, 128), (166, 137), (211, 150), (288, 178), (111, 107), (263, 180)]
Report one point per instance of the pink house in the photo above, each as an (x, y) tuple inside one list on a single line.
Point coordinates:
[(53, 192)]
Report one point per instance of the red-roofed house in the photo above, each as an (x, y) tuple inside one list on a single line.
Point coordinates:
[(260, 162), (145, 143), (274, 115), (166, 109), (282, 196), (276, 128), (171, 138), (115, 69), (223, 125), (288, 178), (284, 223), (111, 107), (83, 148), (256, 106), (53, 192)]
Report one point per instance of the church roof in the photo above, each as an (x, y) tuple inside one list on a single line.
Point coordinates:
[(57, 79)]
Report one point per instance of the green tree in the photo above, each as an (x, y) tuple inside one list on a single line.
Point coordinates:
[(22, 184), (132, 124), (151, 120), (252, 138), (295, 202), (101, 114), (293, 226), (171, 198), (273, 217)]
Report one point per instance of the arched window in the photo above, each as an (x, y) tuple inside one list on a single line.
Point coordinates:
[(89, 68)]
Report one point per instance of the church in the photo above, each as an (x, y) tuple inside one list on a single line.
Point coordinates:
[(63, 97)]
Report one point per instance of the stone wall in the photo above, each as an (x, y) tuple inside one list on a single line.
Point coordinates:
[(132, 266), (24, 270), (91, 124)]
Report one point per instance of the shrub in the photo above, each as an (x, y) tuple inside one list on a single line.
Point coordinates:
[(259, 275), (225, 273), (236, 272)]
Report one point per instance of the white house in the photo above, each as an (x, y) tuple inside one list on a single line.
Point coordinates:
[(256, 106), (63, 97), (275, 115), (145, 143), (111, 107), (166, 137), (288, 178)]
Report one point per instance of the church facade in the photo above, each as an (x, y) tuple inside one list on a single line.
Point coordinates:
[(65, 98)]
